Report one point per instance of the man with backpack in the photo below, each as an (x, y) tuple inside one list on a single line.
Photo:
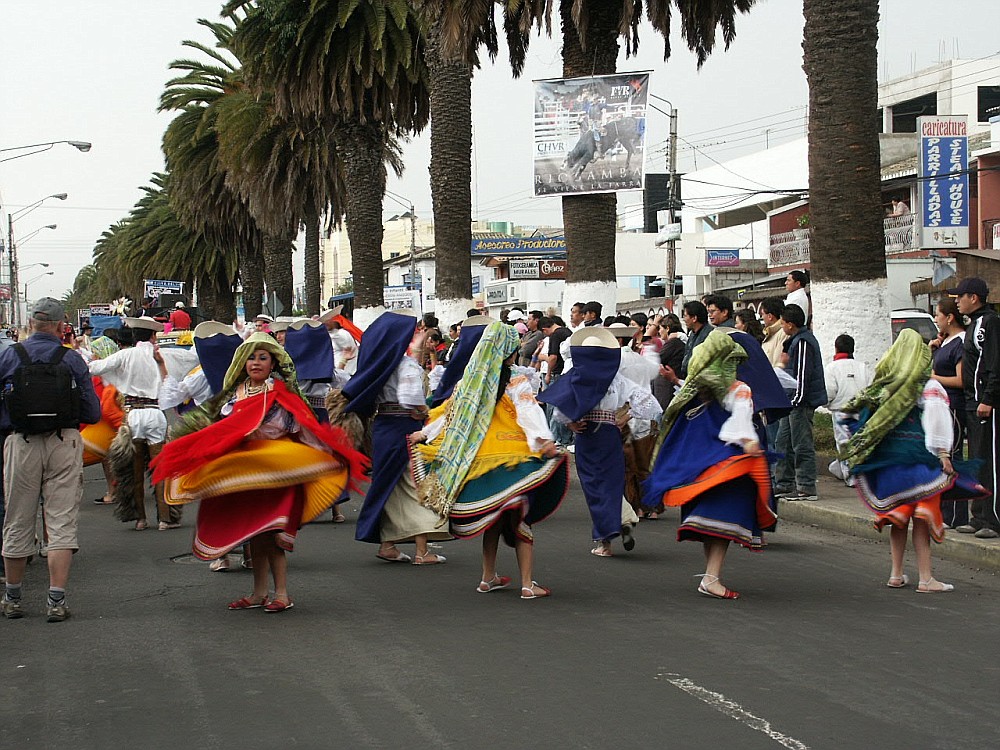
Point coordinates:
[(47, 394)]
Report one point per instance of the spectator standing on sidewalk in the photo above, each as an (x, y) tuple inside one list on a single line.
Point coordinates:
[(795, 473), (43, 459), (947, 351), (698, 328), (795, 285), (720, 311), (981, 383), (774, 335), (845, 378)]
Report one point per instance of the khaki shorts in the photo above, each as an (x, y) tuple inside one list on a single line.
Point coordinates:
[(47, 466)]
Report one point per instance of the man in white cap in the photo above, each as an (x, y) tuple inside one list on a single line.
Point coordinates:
[(179, 318), (135, 372)]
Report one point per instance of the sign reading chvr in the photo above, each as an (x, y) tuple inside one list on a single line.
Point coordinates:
[(722, 258)]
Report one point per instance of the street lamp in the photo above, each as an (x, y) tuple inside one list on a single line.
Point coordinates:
[(12, 247), (83, 146), (32, 234), (32, 281), (412, 216)]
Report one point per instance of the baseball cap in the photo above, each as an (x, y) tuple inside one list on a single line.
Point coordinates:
[(515, 315), (971, 285), (180, 305), (48, 309)]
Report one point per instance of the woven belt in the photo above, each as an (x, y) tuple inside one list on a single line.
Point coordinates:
[(138, 402), (317, 402), (600, 415), (393, 409)]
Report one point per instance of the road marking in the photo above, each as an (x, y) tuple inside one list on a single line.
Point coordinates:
[(732, 709)]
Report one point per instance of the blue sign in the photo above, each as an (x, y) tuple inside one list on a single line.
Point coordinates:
[(723, 258), (530, 246), (477, 284), (944, 181)]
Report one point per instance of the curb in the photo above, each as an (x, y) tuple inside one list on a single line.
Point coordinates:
[(959, 548)]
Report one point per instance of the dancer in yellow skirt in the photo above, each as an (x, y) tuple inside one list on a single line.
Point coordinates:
[(261, 465)]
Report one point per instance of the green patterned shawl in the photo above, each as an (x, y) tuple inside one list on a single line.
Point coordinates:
[(468, 416), (900, 377), (102, 347), (712, 368)]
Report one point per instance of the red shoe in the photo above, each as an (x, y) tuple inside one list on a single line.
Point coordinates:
[(276, 605), (702, 589), (496, 582), (247, 603)]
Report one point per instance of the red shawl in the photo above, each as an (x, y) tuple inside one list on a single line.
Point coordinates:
[(187, 453)]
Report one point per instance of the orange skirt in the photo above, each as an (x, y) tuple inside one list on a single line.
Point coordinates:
[(928, 510)]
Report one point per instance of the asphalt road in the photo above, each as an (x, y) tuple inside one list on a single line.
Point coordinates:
[(817, 654)]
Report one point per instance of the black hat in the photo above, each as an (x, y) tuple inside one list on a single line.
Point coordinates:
[(971, 285)]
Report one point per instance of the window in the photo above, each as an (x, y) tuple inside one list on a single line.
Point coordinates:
[(989, 103), (905, 114)]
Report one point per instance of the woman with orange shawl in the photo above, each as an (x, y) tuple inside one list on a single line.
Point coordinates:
[(261, 464), (97, 437)]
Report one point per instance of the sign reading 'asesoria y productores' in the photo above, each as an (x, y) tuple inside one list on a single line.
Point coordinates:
[(590, 134)]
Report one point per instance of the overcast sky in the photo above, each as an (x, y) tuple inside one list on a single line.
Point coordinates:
[(93, 70)]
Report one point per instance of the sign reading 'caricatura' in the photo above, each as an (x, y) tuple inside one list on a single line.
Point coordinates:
[(590, 134)]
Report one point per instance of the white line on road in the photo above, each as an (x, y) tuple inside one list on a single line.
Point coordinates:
[(722, 704)]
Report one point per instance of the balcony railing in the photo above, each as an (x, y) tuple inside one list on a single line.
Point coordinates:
[(792, 248), (898, 234)]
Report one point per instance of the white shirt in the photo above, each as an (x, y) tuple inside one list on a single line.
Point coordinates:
[(800, 298), (845, 379), (344, 350), (406, 385), (194, 387), (935, 418), (530, 416), (623, 391), (739, 427), (132, 371)]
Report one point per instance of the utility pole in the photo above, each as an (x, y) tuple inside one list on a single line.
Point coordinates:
[(15, 312), (413, 247), (673, 202)]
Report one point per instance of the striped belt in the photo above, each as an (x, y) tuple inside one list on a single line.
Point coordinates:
[(599, 415), (138, 402), (393, 409), (317, 402)]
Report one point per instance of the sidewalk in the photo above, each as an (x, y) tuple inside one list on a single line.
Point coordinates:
[(840, 509)]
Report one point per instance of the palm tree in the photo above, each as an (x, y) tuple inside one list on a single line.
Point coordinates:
[(591, 30), (199, 193), (357, 66), (450, 66), (847, 245)]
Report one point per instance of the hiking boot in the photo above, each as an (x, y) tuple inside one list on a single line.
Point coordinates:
[(57, 612), (11, 608)]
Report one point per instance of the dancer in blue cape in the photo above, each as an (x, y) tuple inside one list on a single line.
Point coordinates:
[(588, 398), (388, 387), (710, 463)]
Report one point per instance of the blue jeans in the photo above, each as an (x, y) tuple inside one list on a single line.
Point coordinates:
[(797, 470)]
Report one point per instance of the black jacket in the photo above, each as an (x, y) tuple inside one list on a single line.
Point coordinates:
[(981, 361)]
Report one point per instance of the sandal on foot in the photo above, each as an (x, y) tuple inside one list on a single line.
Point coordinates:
[(601, 551), (923, 587), (400, 557), (247, 603), (628, 540), (898, 582), (220, 566), (141, 525), (339, 518), (496, 582), (276, 605), (528, 592), (430, 558), (703, 589)]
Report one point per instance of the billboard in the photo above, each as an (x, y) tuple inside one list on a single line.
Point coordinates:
[(944, 181), (590, 134), (155, 287)]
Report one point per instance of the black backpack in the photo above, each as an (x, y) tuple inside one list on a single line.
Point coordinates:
[(42, 396)]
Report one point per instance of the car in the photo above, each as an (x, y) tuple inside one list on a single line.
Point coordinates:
[(920, 321)]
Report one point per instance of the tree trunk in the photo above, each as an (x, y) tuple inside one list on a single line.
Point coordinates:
[(252, 278), (363, 149), (847, 244), (216, 300), (278, 269), (451, 175), (590, 221), (311, 260)]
